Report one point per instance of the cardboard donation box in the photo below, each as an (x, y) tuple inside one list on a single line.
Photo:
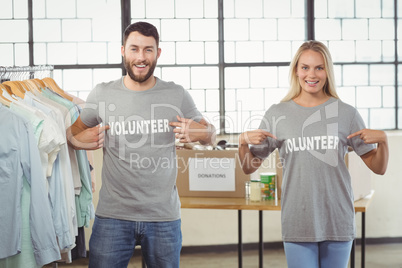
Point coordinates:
[(210, 173)]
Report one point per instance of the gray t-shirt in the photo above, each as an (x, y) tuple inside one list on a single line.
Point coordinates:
[(139, 163), (317, 197)]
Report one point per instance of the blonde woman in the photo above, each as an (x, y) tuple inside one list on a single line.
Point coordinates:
[(313, 128)]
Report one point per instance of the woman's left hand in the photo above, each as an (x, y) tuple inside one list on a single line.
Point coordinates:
[(370, 136)]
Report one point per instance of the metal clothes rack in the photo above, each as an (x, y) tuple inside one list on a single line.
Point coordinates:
[(13, 73)]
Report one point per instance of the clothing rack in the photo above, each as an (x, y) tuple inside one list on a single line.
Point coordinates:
[(12, 73)]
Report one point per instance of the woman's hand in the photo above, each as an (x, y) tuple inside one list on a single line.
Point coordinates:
[(254, 137), (376, 159), (370, 136), (248, 161)]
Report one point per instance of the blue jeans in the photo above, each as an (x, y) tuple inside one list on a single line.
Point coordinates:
[(113, 241), (326, 254)]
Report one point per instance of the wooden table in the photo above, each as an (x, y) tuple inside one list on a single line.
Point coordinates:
[(240, 204)]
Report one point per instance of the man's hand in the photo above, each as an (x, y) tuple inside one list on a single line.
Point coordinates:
[(188, 130), (91, 138), (81, 137)]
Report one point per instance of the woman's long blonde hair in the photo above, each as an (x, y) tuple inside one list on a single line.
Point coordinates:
[(295, 87)]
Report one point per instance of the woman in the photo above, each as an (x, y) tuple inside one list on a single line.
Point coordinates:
[(313, 129)]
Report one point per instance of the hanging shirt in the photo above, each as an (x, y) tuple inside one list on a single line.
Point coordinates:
[(84, 205), (90, 154), (19, 156), (55, 179), (26, 258), (50, 139), (66, 120), (66, 162), (36, 122)]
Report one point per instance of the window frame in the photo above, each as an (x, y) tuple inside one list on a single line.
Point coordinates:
[(222, 65)]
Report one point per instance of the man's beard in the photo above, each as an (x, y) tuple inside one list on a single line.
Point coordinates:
[(139, 78)]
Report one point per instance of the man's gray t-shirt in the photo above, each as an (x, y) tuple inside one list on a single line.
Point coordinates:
[(317, 197), (139, 162)]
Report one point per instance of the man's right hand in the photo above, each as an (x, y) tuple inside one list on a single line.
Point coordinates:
[(81, 137)]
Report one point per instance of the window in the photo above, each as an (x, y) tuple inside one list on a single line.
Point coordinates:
[(360, 36), (232, 55), (76, 38), (190, 51), (260, 39), (14, 48)]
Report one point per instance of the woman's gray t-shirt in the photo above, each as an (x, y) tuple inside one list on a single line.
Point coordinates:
[(317, 197)]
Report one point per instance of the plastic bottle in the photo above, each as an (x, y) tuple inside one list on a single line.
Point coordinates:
[(255, 190)]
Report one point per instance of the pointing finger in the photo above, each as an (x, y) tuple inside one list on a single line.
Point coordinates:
[(174, 124), (268, 134), (355, 134), (180, 119)]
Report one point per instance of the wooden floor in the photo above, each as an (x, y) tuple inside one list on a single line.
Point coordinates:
[(377, 256)]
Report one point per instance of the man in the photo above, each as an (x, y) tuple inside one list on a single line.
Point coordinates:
[(141, 117)]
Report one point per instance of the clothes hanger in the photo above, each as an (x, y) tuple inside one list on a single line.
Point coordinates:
[(7, 93), (15, 88), (22, 86), (27, 86), (50, 83), (39, 82), (23, 82), (33, 86), (2, 73), (3, 99), (7, 89)]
